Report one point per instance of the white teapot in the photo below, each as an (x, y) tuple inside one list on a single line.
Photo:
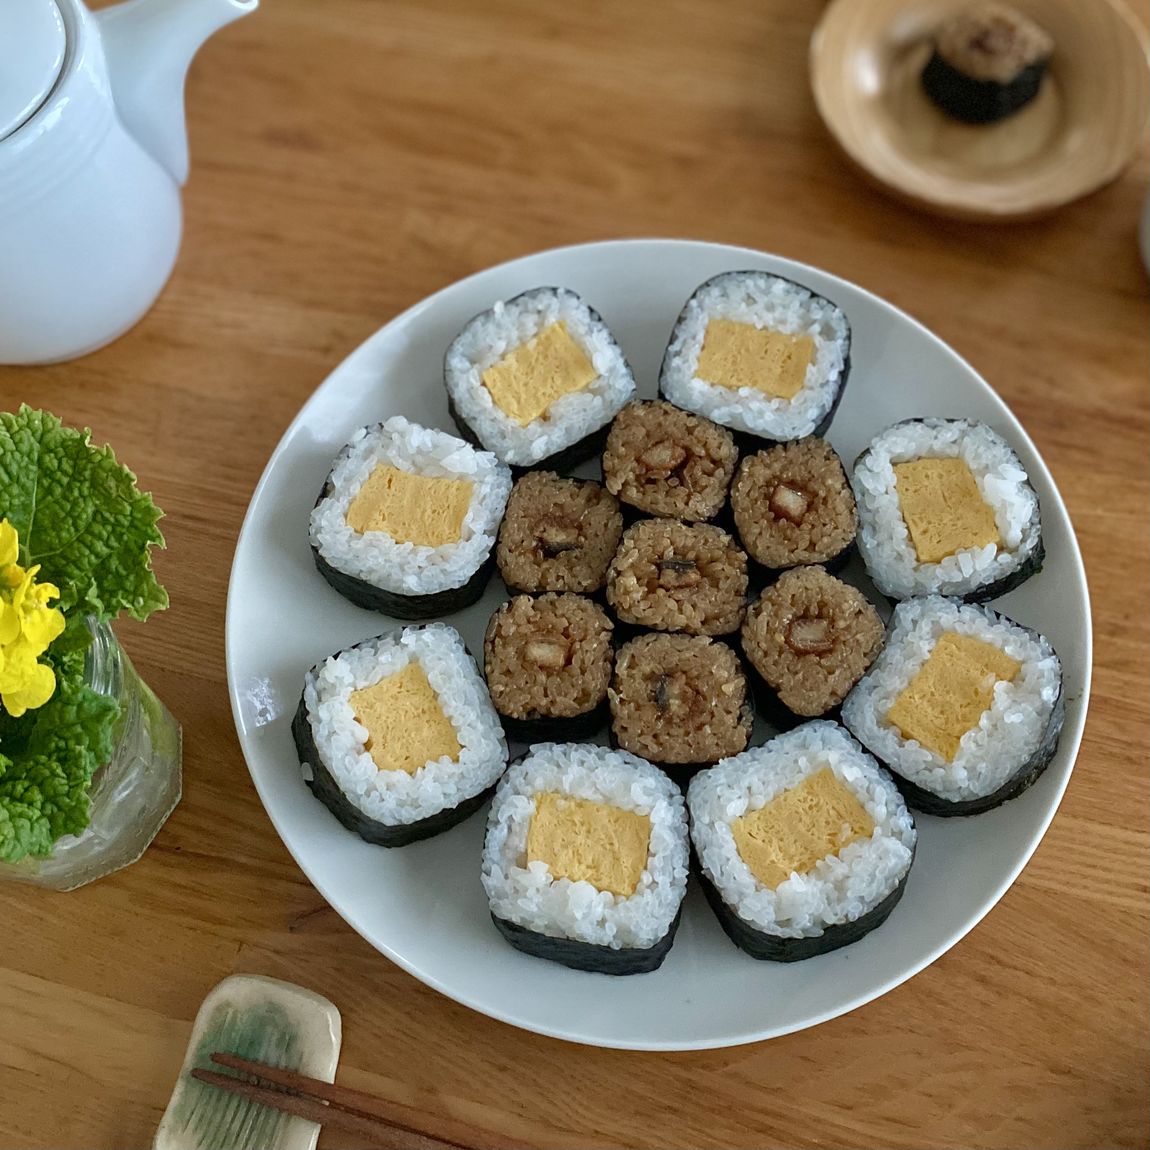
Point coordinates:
[(93, 153)]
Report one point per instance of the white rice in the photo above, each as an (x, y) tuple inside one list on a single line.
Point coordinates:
[(840, 888), (1007, 735), (396, 798), (508, 325), (883, 538), (408, 568), (765, 301), (529, 896)]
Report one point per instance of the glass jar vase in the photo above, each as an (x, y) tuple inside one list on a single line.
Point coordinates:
[(132, 795)]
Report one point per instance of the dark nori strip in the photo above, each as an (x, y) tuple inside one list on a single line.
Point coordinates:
[(979, 101), (325, 788), (432, 606), (773, 948), (558, 729), (587, 955), (748, 441)]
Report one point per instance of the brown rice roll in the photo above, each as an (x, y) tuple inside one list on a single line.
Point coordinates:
[(811, 637), (669, 462), (672, 576), (793, 505), (558, 534), (547, 661), (679, 700)]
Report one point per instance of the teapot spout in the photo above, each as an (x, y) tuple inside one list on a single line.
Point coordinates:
[(148, 45)]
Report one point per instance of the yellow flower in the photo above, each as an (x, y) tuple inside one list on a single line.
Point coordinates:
[(27, 628)]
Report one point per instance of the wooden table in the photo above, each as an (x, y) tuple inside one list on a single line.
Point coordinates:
[(351, 156)]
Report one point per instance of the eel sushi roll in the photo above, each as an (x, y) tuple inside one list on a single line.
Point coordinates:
[(669, 462), (407, 519), (988, 63), (759, 354), (945, 508), (672, 576), (548, 660), (810, 638), (964, 706), (793, 505), (804, 844), (585, 859), (558, 534), (538, 377), (399, 736), (679, 700)]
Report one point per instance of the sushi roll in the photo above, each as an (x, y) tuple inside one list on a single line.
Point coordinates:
[(810, 637), (669, 462), (945, 508), (793, 504), (964, 706), (673, 576), (398, 737), (804, 844), (585, 859), (558, 534), (548, 660), (406, 521), (988, 63), (538, 377), (679, 700), (759, 354)]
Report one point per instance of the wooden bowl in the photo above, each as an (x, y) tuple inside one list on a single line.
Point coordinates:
[(1079, 133)]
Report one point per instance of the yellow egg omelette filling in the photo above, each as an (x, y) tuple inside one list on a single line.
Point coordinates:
[(406, 726), (950, 692), (589, 842), (943, 508), (528, 380), (789, 835), (738, 355), (421, 509)]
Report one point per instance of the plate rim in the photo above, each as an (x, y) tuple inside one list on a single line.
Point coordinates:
[(1074, 735)]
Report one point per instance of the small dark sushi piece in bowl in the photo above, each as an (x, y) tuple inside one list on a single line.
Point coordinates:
[(585, 859), (407, 519), (537, 379), (988, 62), (547, 660), (558, 534), (759, 354), (668, 462), (964, 705), (804, 844), (809, 637), (397, 736)]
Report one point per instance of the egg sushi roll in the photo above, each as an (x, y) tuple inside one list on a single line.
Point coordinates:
[(585, 858), (759, 354), (679, 700), (407, 519), (397, 736), (964, 706), (793, 504), (669, 462), (672, 576), (548, 660), (538, 377), (945, 507), (809, 637), (804, 844), (558, 534)]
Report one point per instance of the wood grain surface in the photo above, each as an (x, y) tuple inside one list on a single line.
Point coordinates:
[(348, 158)]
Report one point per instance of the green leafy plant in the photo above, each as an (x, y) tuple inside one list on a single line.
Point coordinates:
[(82, 521)]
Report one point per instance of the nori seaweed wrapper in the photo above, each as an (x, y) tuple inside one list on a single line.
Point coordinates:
[(558, 729)]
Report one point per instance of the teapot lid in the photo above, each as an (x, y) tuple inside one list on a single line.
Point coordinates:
[(32, 46)]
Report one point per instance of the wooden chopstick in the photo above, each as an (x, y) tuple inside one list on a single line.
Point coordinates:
[(347, 1109)]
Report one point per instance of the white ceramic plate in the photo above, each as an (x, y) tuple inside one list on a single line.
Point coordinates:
[(423, 905)]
